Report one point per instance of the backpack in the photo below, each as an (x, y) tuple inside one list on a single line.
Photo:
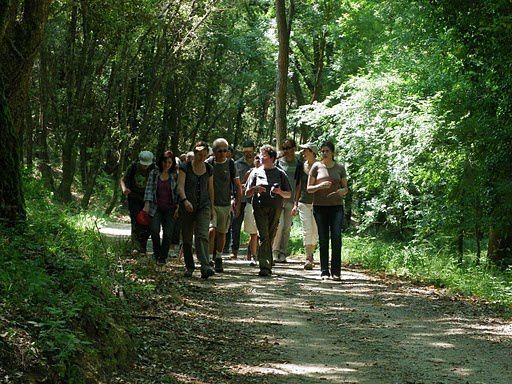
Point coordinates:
[(232, 168)]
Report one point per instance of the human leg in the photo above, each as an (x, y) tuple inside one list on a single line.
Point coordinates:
[(336, 225), (201, 234), (309, 232), (156, 222), (285, 225), (167, 220), (187, 234), (322, 221), (236, 226), (265, 247)]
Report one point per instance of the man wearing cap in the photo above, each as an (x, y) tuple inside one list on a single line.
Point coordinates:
[(303, 202), (288, 163), (243, 165), (133, 185)]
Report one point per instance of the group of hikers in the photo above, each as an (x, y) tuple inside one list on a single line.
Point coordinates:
[(201, 199)]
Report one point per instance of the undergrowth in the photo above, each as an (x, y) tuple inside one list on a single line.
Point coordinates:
[(60, 318), (426, 263)]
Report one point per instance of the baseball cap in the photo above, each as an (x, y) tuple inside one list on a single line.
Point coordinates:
[(145, 158), (310, 146)]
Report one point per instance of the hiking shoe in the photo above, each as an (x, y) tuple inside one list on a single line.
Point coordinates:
[(207, 273), (325, 275), (188, 273), (218, 265), (264, 272)]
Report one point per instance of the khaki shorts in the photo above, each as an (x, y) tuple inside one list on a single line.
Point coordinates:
[(249, 222), (221, 219)]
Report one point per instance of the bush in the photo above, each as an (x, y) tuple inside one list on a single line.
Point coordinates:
[(57, 280)]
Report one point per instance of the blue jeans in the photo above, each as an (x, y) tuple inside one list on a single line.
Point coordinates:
[(329, 220), (164, 219)]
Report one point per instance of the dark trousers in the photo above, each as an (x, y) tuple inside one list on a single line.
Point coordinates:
[(267, 220), (162, 219), (140, 233), (236, 227), (329, 220)]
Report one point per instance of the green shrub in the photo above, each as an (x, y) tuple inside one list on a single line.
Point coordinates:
[(57, 279)]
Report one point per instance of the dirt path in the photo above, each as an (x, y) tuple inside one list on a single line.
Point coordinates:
[(295, 328)]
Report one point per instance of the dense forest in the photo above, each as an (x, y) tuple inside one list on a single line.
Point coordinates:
[(417, 96)]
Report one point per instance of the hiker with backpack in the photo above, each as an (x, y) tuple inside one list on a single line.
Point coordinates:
[(195, 191), (225, 175), (133, 185)]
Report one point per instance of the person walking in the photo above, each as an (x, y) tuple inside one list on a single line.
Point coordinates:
[(195, 191), (268, 185), (243, 166), (288, 163), (249, 223), (161, 203), (224, 176), (303, 202), (328, 183), (133, 184)]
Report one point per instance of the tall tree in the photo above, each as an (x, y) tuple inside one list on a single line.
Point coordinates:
[(283, 60), (21, 31)]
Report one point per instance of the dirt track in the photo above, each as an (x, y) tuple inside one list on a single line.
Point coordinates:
[(294, 328)]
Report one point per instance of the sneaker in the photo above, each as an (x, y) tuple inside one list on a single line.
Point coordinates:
[(233, 256), (188, 273), (325, 275), (253, 262), (308, 265), (264, 272), (336, 278), (207, 273), (218, 265), (281, 261)]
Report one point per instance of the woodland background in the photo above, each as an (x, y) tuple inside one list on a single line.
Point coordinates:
[(416, 95)]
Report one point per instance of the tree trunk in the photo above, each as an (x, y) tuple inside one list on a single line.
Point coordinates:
[(239, 119), (283, 59), (21, 32), (12, 207), (500, 246)]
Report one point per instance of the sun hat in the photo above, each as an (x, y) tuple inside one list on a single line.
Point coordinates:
[(145, 158), (309, 146)]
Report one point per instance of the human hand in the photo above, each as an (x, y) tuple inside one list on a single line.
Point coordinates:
[(127, 191), (295, 210), (325, 184), (188, 206)]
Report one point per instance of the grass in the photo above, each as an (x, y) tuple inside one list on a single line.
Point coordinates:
[(423, 263), (58, 311), (427, 264)]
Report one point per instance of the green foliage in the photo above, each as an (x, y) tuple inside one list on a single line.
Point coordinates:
[(427, 263), (56, 281)]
